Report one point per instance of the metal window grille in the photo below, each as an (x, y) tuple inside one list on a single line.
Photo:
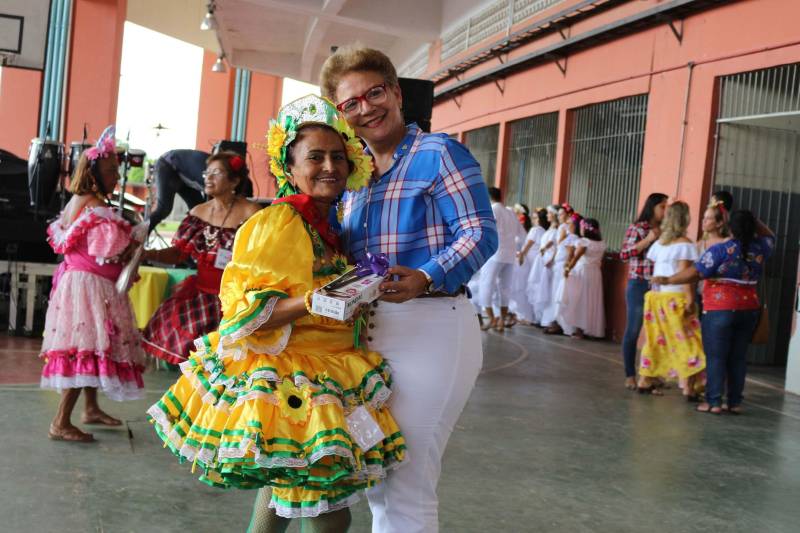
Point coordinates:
[(606, 163), (525, 8), (497, 17), (482, 142), (417, 64), (761, 92), (758, 160), (532, 160)]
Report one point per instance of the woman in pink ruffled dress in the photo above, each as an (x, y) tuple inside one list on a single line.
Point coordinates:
[(90, 338)]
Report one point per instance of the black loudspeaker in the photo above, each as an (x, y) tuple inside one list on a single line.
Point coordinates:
[(417, 101), (239, 147)]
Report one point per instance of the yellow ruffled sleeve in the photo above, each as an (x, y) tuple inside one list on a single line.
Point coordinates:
[(272, 259)]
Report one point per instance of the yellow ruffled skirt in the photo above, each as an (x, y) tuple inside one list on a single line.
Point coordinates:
[(674, 346), (281, 421)]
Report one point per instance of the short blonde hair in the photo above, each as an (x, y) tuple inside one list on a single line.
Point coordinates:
[(354, 58), (675, 223)]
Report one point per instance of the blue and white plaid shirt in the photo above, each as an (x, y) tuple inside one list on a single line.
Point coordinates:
[(429, 211)]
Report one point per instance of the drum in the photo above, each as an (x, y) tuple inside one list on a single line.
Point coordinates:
[(45, 161), (75, 150), (135, 157)]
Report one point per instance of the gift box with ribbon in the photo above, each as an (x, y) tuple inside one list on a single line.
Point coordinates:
[(340, 298)]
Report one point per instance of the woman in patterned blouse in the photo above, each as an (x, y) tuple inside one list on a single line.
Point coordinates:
[(730, 305)]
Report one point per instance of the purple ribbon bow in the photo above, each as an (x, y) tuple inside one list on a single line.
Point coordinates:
[(372, 264)]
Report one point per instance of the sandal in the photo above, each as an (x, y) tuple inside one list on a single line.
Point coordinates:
[(708, 408), (630, 385), (735, 410), (72, 434), (102, 419)]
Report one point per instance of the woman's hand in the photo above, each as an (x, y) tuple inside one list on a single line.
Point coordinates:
[(410, 284), (660, 280), (689, 308), (520, 258), (566, 271)]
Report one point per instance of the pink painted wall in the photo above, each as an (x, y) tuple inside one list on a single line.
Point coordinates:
[(265, 101), (216, 104), (216, 111), (736, 37), (20, 95), (94, 66)]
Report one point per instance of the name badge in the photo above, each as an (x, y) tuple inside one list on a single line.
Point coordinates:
[(224, 257), (363, 428)]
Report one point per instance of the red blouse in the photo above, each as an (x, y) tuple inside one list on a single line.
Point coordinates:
[(200, 240)]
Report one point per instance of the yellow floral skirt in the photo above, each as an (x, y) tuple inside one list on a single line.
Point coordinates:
[(281, 421), (674, 347)]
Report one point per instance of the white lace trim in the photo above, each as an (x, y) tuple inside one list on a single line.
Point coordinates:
[(256, 395), (325, 399), (253, 325), (199, 347), (310, 512), (166, 425), (382, 395), (275, 348), (113, 388)]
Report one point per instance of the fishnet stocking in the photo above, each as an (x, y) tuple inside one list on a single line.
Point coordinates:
[(335, 522), (265, 520)]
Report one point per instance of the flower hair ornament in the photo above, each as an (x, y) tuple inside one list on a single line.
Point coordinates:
[(313, 109), (236, 163), (719, 204), (106, 145), (586, 226), (568, 208)]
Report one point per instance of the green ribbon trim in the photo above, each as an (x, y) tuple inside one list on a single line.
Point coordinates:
[(227, 327)]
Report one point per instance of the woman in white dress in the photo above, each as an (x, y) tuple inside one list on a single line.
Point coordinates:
[(541, 276), (582, 306), (519, 309), (564, 253), (520, 303)]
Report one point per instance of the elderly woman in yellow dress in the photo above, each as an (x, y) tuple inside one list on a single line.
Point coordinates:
[(268, 400)]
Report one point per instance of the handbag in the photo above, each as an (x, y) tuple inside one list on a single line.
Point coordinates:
[(761, 333)]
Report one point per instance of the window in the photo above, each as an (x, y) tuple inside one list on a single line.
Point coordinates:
[(606, 144), (532, 160), (483, 145)]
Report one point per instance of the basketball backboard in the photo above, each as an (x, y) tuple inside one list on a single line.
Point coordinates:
[(23, 33)]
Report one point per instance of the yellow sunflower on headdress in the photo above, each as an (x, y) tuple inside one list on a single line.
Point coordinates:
[(362, 165), (275, 140)]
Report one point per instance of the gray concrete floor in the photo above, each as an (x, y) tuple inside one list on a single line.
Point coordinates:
[(550, 441)]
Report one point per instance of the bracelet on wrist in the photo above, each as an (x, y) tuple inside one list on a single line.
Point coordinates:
[(307, 300)]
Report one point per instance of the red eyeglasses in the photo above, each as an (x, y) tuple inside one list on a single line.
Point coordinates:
[(374, 95)]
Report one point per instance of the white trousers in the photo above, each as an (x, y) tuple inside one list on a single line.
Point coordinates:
[(433, 347), (496, 278)]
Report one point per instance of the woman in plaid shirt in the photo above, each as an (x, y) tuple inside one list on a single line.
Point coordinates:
[(427, 208), (638, 239)]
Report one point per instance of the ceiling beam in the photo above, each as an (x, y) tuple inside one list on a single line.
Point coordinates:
[(393, 28), (315, 33)]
